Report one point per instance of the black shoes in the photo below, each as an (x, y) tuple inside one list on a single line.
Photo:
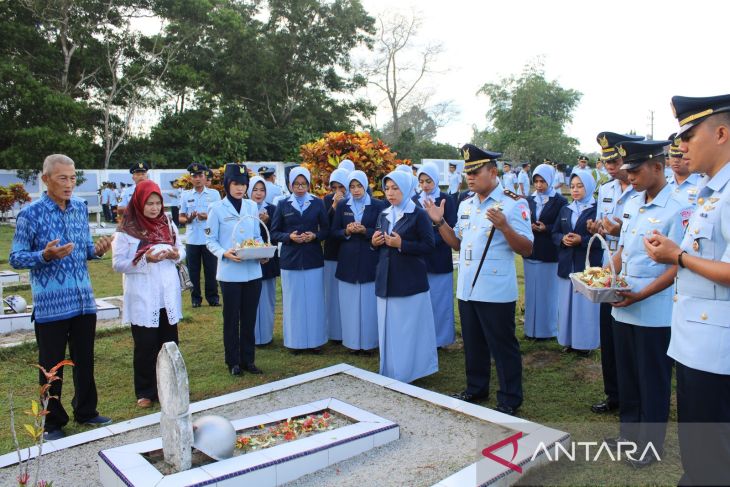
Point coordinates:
[(214, 304), (98, 420), (614, 441), (236, 370), (644, 462), (52, 435), (468, 397), (506, 410), (196, 305), (604, 406), (253, 369)]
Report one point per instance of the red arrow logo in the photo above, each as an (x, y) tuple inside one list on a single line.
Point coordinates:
[(487, 452)]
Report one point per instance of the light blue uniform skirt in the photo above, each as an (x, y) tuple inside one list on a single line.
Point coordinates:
[(360, 316), (407, 337), (332, 300), (264, 330), (303, 300), (541, 299), (441, 287), (578, 319)]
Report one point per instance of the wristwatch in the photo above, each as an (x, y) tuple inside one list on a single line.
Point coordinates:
[(438, 225)]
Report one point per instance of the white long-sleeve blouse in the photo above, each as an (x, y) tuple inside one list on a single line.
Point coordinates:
[(148, 286)]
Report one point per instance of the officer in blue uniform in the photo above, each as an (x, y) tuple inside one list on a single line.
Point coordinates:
[(273, 190), (612, 196), (642, 319), (194, 206), (700, 341), (487, 304), (138, 170), (683, 183), (231, 221)]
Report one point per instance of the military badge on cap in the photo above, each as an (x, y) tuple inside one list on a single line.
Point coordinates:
[(635, 153), (691, 111), (674, 147), (475, 158), (608, 142), (197, 168), (139, 167)]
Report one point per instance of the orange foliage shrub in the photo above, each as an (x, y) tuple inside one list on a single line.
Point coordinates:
[(373, 157)]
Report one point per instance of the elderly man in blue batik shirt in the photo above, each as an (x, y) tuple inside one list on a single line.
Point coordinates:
[(53, 240)]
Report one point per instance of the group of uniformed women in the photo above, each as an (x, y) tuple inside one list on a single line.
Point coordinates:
[(369, 273)]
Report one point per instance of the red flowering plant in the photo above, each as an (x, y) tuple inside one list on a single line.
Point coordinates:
[(288, 430), (373, 157), (37, 412), (12, 194)]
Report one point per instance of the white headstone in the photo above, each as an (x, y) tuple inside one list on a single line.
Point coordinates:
[(173, 390)]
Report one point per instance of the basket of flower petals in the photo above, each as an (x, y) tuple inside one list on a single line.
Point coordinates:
[(598, 284), (251, 248)]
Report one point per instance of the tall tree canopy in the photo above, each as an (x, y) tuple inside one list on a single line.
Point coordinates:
[(227, 79), (527, 117)]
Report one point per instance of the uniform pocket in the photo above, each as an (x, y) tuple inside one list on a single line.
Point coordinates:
[(496, 267), (707, 313)]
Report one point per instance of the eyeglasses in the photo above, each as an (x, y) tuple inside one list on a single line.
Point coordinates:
[(300, 185)]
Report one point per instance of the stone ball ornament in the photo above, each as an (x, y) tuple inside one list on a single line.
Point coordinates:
[(16, 303), (215, 436)]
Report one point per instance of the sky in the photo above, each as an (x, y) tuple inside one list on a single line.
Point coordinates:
[(628, 58)]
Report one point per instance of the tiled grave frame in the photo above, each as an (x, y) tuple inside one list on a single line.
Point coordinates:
[(273, 466), (490, 472), (21, 321)]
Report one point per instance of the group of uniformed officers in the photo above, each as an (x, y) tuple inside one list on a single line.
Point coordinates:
[(385, 277)]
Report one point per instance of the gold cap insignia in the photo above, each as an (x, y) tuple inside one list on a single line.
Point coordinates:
[(603, 141), (141, 166), (621, 151), (241, 168), (195, 168), (466, 154)]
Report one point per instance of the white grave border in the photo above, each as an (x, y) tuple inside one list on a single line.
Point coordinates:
[(490, 472), (274, 466)]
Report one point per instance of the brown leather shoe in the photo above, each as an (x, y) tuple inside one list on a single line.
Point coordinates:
[(144, 403)]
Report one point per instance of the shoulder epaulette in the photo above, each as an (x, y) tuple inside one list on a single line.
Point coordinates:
[(512, 194)]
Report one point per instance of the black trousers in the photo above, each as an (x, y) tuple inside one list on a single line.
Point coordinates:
[(703, 412), (78, 332), (240, 302), (195, 255), (175, 211), (488, 330), (107, 209), (644, 382), (147, 344), (608, 355)]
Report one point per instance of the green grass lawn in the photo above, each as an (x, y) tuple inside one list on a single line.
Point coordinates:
[(559, 388)]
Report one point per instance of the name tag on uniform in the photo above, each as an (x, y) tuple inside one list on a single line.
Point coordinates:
[(464, 217), (349, 213), (191, 201), (626, 215), (288, 214), (607, 200), (230, 218)]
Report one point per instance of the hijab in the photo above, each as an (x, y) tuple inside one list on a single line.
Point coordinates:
[(430, 170), (579, 206), (546, 172), (346, 165), (405, 168), (249, 191), (149, 231), (358, 204), (299, 200), (406, 184), (340, 176)]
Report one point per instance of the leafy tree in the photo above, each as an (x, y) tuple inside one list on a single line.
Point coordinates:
[(527, 117)]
